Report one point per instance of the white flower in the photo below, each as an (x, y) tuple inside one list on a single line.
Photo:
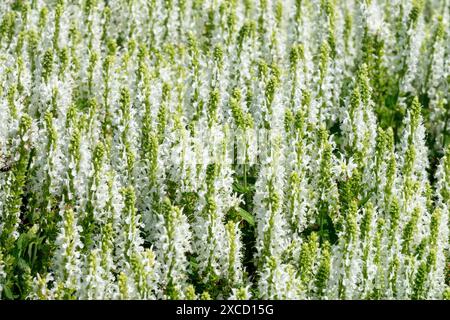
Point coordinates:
[(343, 167)]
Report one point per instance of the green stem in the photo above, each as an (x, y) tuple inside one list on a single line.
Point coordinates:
[(444, 132)]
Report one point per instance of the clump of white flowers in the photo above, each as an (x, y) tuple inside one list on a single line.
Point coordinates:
[(224, 149)]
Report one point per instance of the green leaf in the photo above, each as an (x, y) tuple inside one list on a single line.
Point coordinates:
[(247, 216), (30, 250), (21, 243), (240, 188), (8, 293), (22, 264)]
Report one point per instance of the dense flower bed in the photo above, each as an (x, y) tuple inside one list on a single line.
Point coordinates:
[(224, 149)]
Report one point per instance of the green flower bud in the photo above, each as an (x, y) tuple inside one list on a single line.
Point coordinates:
[(47, 65), (409, 230), (323, 271)]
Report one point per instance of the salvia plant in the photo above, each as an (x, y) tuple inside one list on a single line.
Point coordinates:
[(224, 149)]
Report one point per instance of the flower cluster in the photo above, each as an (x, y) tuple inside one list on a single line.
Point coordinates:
[(224, 149)]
